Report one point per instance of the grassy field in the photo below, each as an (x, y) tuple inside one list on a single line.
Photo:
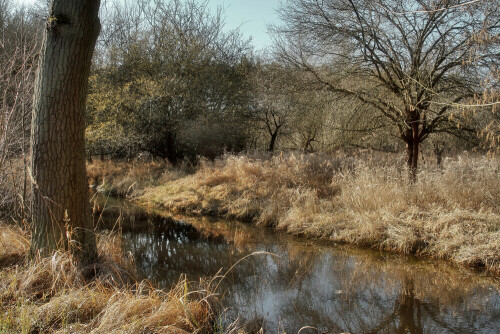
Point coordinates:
[(53, 295), (451, 213)]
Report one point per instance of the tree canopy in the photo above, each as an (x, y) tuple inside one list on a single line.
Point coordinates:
[(174, 86), (407, 61)]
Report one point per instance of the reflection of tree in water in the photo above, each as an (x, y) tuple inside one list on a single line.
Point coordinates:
[(406, 316), (408, 309), (311, 285), (164, 255), (407, 299)]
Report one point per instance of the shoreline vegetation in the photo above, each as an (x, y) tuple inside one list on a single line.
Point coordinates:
[(55, 295), (452, 212)]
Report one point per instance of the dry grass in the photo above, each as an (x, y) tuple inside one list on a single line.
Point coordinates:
[(13, 245), (128, 179), (54, 295), (247, 188), (451, 213)]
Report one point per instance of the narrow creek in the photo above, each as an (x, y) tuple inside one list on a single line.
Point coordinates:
[(298, 283)]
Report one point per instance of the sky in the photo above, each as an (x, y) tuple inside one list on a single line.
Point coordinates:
[(251, 16)]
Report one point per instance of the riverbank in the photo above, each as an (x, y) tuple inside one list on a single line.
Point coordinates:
[(55, 295), (451, 213)]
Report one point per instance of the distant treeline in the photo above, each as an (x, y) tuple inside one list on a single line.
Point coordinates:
[(168, 79)]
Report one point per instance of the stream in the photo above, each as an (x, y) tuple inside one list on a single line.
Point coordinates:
[(283, 283)]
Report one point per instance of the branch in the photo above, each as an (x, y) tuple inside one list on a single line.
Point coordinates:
[(441, 9)]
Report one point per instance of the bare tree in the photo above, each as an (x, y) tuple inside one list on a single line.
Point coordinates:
[(276, 100), (18, 52), (405, 59), (60, 191)]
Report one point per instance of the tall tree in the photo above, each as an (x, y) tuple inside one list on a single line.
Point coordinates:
[(60, 192), (405, 59)]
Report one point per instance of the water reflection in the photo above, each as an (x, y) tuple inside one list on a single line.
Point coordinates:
[(305, 284)]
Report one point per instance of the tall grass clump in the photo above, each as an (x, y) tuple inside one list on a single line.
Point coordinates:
[(259, 188), (13, 245), (128, 179), (451, 212), (53, 294)]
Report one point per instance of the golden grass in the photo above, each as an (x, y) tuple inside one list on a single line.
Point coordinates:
[(451, 213), (128, 179), (53, 294), (13, 245)]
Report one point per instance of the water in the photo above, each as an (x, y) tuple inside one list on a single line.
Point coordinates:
[(292, 283)]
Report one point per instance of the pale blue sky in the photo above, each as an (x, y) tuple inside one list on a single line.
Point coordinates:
[(252, 16)]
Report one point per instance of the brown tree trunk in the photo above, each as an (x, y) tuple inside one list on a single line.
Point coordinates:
[(438, 151), (412, 149), (415, 148), (60, 192), (272, 143)]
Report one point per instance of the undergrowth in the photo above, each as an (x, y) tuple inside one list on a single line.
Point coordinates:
[(55, 295)]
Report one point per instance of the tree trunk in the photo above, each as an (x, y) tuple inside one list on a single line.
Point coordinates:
[(438, 151), (412, 149), (60, 209), (416, 147), (306, 146), (408, 309), (274, 135)]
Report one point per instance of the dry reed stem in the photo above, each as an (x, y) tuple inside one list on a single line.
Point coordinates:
[(122, 179), (53, 294)]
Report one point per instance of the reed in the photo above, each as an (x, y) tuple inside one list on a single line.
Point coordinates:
[(55, 295), (452, 212), (124, 179)]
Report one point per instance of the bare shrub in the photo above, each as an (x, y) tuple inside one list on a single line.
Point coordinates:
[(18, 58)]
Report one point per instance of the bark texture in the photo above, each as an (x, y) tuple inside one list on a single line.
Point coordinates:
[(60, 191)]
